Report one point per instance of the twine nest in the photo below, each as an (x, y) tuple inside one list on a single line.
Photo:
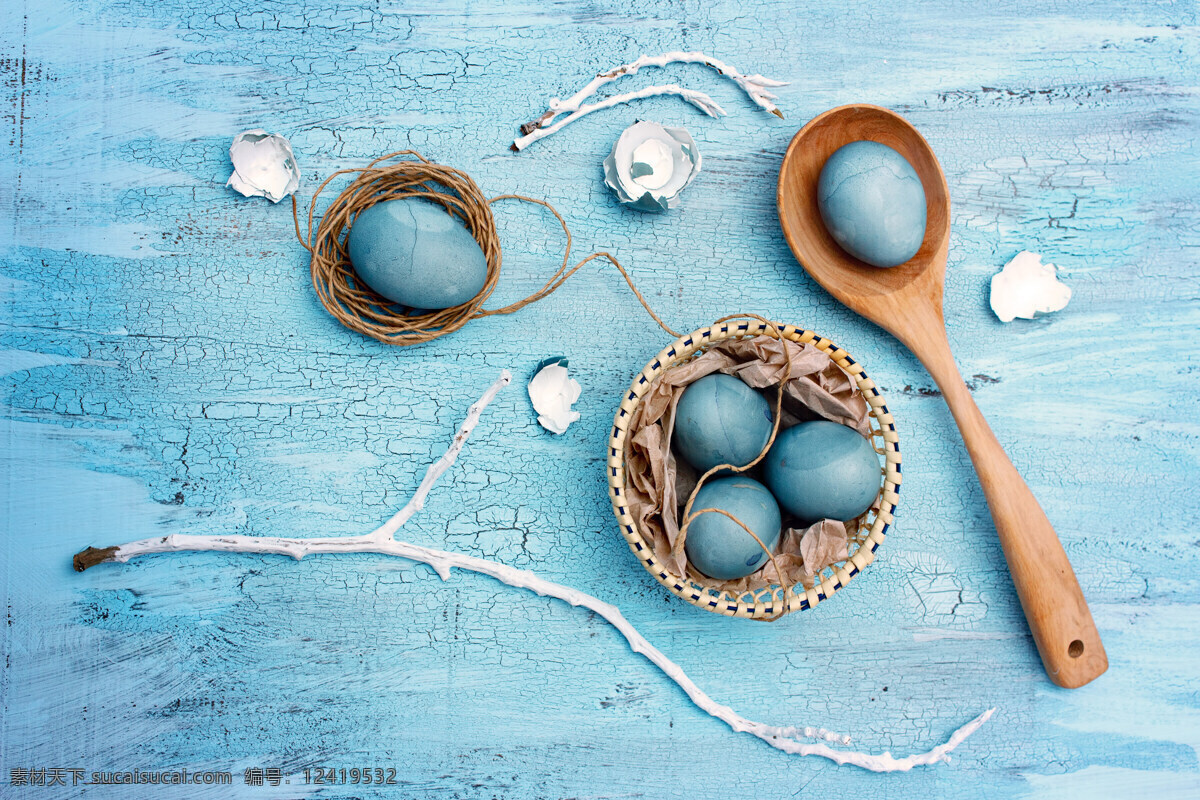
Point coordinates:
[(773, 601), (357, 306)]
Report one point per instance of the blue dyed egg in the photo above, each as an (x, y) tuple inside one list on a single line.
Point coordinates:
[(822, 470), (721, 420), (872, 203), (416, 253), (716, 545)]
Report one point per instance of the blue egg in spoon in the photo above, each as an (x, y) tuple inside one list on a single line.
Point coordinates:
[(872, 203)]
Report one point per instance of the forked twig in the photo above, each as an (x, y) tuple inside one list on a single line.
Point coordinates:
[(755, 86), (382, 541)]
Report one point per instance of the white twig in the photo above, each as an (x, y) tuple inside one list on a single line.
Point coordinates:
[(699, 99), (755, 86), (389, 528), (382, 541)]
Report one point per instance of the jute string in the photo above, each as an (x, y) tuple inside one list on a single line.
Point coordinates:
[(361, 309)]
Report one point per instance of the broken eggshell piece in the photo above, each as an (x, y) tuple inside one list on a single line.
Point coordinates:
[(263, 165), (552, 392), (650, 165), (1027, 287)]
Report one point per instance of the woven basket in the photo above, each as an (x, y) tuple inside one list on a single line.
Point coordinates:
[(773, 601)]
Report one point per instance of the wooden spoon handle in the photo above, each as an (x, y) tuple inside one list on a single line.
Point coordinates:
[(1054, 606)]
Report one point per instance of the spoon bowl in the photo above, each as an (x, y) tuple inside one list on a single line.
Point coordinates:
[(876, 293), (906, 300)]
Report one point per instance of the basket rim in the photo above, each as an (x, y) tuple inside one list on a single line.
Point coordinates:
[(796, 597)]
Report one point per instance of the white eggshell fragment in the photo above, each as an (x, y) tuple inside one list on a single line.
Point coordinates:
[(263, 165), (1027, 287), (552, 392), (650, 165)]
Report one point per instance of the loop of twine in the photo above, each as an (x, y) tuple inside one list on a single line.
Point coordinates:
[(774, 330), (361, 309), (358, 307)]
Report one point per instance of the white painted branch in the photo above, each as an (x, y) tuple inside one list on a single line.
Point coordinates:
[(779, 737), (382, 541), (699, 99), (386, 531), (755, 86)]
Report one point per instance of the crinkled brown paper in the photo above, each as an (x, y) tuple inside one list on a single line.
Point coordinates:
[(816, 388)]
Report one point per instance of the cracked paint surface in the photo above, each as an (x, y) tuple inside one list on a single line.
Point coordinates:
[(168, 369)]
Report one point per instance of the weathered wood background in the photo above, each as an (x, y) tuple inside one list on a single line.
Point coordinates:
[(168, 368)]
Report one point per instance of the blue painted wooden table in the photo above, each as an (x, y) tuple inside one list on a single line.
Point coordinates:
[(167, 368)]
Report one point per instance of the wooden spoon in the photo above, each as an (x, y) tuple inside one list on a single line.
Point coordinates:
[(907, 301)]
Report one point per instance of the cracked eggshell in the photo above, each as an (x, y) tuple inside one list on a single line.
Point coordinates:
[(552, 392), (1027, 287), (263, 165), (650, 165)]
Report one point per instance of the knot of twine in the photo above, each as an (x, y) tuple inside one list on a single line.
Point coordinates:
[(360, 308)]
